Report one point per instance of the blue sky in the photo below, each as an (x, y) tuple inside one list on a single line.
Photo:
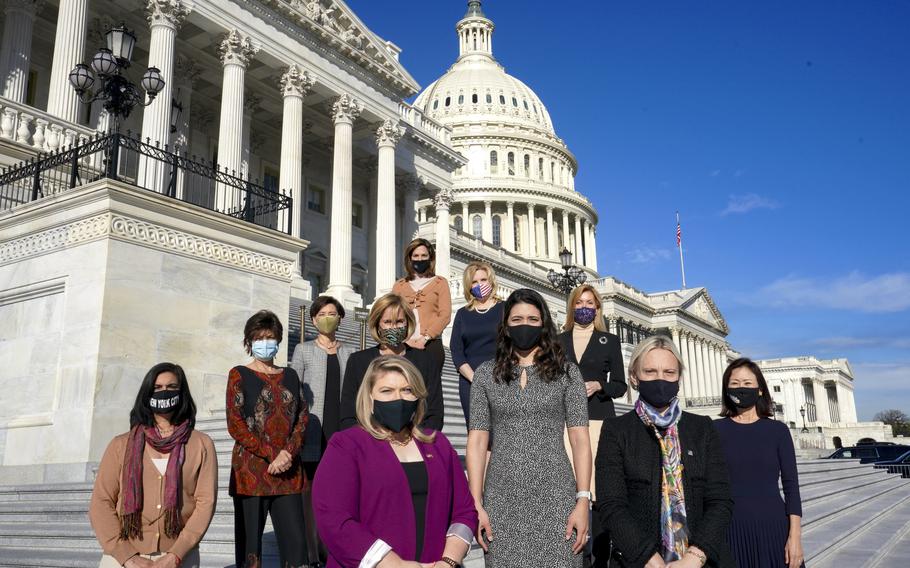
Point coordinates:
[(780, 130)]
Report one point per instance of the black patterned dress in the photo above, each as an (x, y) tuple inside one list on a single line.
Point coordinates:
[(529, 491)]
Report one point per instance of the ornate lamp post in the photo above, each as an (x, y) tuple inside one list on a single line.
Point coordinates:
[(802, 412), (120, 95), (573, 276)]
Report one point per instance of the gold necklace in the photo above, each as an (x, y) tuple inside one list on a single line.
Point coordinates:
[(331, 345), (401, 443)]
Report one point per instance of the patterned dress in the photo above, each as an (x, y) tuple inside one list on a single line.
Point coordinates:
[(265, 414), (530, 484)]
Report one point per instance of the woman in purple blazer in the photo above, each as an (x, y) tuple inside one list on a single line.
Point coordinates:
[(388, 494)]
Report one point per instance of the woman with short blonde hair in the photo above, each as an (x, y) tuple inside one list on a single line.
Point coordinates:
[(390, 323), (474, 332), (376, 507)]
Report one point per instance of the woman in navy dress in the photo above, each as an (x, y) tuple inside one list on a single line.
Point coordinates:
[(765, 532), (475, 329)]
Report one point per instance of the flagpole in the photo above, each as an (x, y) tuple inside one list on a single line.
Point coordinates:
[(682, 265)]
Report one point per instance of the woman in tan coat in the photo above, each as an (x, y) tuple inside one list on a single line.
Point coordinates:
[(155, 491)]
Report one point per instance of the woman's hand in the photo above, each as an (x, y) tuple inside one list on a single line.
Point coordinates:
[(578, 521), (169, 560), (656, 562), (793, 552), (281, 464), (592, 387), (483, 526), (139, 562)]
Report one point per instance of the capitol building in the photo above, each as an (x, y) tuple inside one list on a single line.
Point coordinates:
[(280, 160)]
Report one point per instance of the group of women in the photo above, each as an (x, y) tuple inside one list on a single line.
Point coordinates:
[(554, 479)]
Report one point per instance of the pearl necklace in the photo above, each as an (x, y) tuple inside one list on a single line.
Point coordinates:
[(330, 346), (479, 311)]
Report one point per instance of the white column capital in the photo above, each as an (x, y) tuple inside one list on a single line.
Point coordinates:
[(443, 199), (236, 48), (510, 204), (296, 82), (389, 133), (170, 13), (346, 109), (488, 203)]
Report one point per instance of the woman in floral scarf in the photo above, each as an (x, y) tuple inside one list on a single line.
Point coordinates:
[(661, 477)]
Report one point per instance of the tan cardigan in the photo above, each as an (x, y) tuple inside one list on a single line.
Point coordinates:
[(200, 487), (433, 302)]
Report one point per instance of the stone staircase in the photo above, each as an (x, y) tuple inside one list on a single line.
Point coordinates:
[(854, 514)]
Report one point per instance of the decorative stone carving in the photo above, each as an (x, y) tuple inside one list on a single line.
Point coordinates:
[(346, 107), (167, 12), (55, 239), (251, 102), (389, 132), (319, 13), (296, 82), (187, 70), (443, 199), (353, 37), (236, 48)]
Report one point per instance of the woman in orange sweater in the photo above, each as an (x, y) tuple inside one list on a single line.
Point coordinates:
[(154, 495)]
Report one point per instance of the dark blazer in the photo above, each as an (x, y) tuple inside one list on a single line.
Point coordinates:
[(361, 494), (601, 362), (628, 488), (357, 368)]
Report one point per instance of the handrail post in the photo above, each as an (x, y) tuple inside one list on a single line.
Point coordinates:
[(172, 185), (36, 183), (74, 166), (114, 156)]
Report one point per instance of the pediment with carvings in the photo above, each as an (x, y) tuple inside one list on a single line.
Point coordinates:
[(703, 307)]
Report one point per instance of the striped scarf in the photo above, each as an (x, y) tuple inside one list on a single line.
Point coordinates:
[(131, 478), (674, 534)]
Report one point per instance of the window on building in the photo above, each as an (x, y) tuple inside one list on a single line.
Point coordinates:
[(534, 105), (477, 227), (474, 98), (436, 104), (461, 99), (448, 101), (459, 223), (776, 388), (515, 227), (510, 163), (489, 98), (514, 102), (316, 202), (357, 215), (497, 231), (270, 179), (552, 169), (540, 169), (527, 165), (31, 88), (502, 99), (526, 104), (494, 162)]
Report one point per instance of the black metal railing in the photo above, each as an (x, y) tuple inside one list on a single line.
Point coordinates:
[(902, 469), (126, 158), (703, 401)]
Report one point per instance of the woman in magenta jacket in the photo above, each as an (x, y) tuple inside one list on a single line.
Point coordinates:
[(388, 494)]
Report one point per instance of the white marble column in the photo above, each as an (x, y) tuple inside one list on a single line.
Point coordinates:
[(487, 227), (579, 251), (409, 221), (69, 48), (443, 201), (677, 341), (592, 230), (164, 17), (387, 136), (186, 72), (821, 403), (16, 48), (508, 226), (705, 367), (565, 232), (251, 107), (295, 85), (714, 378), (345, 111), (466, 224), (551, 234), (721, 364), (236, 51), (532, 232), (693, 365), (686, 351)]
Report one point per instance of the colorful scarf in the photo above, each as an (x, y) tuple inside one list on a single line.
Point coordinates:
[(131, 478), (674, 535)]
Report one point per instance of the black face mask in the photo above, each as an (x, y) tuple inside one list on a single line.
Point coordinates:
[(743, 397), (394, 414), (164, 402), (658, 393), (420, 266), (525, 337)]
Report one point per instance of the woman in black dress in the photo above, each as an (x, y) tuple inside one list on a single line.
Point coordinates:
[(765, 532)]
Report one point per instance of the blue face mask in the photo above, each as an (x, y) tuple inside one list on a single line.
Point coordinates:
[(265, 349)]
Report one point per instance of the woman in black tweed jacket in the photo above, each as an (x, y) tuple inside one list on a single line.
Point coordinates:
[(628, 473)]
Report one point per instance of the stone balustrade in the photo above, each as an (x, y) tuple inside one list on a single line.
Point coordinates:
[(418, 120), (37, 129)]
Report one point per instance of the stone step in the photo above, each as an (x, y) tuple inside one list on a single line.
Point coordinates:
[(819, 510), (825, 488), (829, 534)]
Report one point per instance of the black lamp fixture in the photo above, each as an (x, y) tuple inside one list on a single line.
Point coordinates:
[(573, 276), (119, 94), (176, 110), (802, 411)]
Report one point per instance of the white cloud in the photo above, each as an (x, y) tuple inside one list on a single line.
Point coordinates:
[(748, 202), (645, 254), (881, 386), (854, 292)]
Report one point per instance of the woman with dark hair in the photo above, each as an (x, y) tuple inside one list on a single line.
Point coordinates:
[(390, 323), (320, 364), (266, 416), (533, 511), (765, 531), (430, 298), (139, 520), (662, 481)]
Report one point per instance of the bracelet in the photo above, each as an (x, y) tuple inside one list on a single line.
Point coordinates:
[(450, 562), (586, 494), (697, 554)]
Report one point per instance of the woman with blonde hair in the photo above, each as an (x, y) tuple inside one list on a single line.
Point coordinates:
[(598, 354), (662, 480), (405, 508), (473, 338), (390, 323)]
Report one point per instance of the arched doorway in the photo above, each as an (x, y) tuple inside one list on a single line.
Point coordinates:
[(837, 442)]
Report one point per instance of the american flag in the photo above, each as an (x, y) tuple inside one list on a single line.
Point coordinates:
[(678, 234)]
